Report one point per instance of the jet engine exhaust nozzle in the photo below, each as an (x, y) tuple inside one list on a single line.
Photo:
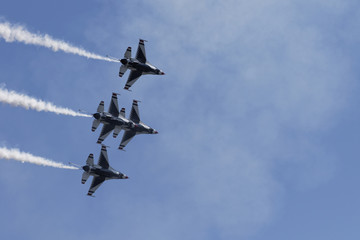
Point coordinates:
[(124, 61), (96, 115), (86, 168)]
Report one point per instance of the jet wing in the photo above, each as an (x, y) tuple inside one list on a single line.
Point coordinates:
[(128, 135), (95, 184), (105, 131), (103, 158), (114, 107), (134, 114), (133, 77), (140, 54)]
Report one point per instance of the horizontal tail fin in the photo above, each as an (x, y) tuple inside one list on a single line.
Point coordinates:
[(84, 177), (95, 124), (127, 53), (122, 70), (90, 160), (100, 107)]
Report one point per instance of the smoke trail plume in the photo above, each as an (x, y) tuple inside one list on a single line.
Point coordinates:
[(16, 99), (17, 33), (16, 154)]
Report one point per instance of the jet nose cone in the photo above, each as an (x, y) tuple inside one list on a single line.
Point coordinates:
[(162, 73), (155, 132), (126, 177)]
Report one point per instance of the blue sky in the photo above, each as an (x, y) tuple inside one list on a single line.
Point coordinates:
[(257, 118)]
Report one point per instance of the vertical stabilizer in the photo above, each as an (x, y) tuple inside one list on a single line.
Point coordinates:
[(134, 114)]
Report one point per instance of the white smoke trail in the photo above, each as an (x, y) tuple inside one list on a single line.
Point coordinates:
[(17, 33), (16, 99), (16, 154)]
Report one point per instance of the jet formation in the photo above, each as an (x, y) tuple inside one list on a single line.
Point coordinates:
[(114, 120)]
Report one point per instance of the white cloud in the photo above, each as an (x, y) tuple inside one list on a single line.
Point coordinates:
[(248, 85)]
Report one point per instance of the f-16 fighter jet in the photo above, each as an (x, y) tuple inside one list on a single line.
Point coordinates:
[(138, 65), (115, 120), (101, 172), (139, 127)]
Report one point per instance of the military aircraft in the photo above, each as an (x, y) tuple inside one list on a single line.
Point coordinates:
[(116, 120), (101, 172), (139, 127), (138, 65)]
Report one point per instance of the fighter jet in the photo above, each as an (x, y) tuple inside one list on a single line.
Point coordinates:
[(115, 120), (138, 65), (139, 127), (101, 172)]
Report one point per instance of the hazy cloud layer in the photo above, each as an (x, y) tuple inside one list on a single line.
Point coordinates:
[(250, 90), (249, 85)]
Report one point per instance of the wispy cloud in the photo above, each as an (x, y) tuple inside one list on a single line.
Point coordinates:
[(252, 84), (21, 100), (16, 33), (17, 155)]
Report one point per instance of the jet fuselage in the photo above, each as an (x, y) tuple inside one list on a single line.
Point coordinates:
[(141, 128), (97, 171), (107, 118), (145, 68), (123, 123)]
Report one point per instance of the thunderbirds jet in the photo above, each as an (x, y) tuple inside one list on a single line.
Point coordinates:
[(101, 172), (115, 120), (138, 65)]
